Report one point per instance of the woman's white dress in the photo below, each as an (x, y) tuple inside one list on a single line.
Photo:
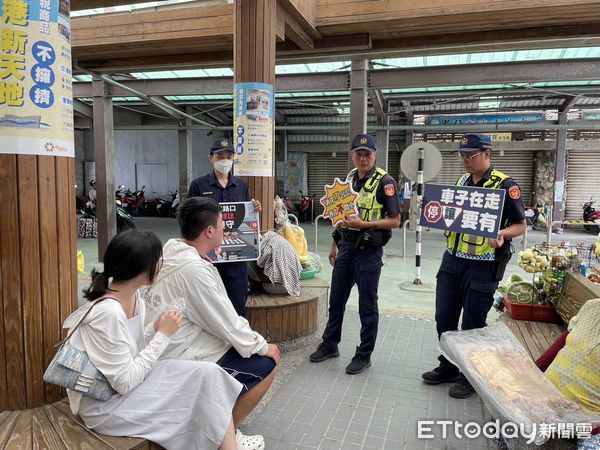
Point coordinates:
[(177, 404)]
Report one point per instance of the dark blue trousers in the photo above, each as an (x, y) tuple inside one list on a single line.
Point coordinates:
[(463, 285), (235, 279), (363, 268)]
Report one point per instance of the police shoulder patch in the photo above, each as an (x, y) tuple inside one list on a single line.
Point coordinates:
[(514, 192), (389, 189)]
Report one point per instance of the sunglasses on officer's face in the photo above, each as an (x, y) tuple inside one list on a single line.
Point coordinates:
[(467, 157)]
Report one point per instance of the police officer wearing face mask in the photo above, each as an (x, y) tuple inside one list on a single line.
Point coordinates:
[(356, 253), (221, 185), (472, 266)]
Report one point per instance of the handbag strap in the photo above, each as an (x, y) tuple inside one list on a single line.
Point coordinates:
[(72, 330)]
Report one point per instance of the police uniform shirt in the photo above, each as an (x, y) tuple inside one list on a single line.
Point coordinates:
[(514, 211), (208, 186), (386, 194)]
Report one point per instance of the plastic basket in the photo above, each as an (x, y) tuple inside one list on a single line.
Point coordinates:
[(535, 313)]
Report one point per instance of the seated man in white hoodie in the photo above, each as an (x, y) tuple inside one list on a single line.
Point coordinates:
[(211, 330)]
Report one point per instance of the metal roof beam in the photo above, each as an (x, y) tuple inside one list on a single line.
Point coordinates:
[(527, 72), (83, 109)]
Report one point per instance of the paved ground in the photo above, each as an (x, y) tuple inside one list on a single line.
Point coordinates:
[(320, 406)]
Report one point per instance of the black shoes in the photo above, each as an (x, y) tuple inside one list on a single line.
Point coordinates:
[(461, 389), (357, 365), (438, 376), (323, 352)]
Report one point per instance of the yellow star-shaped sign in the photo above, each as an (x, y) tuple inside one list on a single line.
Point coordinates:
[(339, 201)]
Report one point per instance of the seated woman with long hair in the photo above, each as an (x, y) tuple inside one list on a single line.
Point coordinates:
[(176, 404)]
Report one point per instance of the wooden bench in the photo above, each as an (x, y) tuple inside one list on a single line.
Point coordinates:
[(284, 317), (536, 337), (55, 427)]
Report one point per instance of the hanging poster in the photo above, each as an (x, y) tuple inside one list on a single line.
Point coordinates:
[(295, 177), (36, 106), (241, 235), (253, 112)]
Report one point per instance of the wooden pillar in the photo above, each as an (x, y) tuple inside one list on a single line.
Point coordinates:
[(104, 150), (38, 273), (254, 61)]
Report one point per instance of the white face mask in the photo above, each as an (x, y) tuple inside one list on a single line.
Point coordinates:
[(223, 165)]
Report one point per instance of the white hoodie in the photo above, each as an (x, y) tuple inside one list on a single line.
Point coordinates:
[(210, 325)]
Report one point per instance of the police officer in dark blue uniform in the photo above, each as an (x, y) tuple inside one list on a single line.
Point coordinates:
[(472, 266), (221, 185), (356, 254)]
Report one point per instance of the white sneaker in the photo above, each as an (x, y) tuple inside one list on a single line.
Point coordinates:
[(256, 442)]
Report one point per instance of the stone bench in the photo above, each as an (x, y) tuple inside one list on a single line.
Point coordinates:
[(55, 427)]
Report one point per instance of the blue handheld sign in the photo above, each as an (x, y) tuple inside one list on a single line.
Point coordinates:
[(464, 209)]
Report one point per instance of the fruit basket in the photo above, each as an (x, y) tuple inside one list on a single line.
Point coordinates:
[(531, 312)]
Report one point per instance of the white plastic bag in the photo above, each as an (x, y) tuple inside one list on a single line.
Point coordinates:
[(508, 381)]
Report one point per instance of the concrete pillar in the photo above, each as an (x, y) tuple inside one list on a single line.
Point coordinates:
[(185, 159), (254, 61), (104, 149), (560, 169), (358, 101)]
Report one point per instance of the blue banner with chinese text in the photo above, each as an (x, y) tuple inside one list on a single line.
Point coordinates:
[(464, 209)]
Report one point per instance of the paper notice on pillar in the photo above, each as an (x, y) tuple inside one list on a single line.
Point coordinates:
[(36, 105), (254, 105), (476, 211)]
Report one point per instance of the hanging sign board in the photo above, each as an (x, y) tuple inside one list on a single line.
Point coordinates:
[(253, 124), (464, 209), (36, 105), (339, 201), (241, 235)]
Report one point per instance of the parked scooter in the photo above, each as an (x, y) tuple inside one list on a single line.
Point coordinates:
[(124, 219), (174, 204), (133, 202), (591, 215), (155, 207)]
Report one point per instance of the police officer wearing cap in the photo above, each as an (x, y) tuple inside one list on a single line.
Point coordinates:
[(356, 254), (221, 185), (472, 266)]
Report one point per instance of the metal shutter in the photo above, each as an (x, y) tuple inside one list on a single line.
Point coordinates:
[(322, 169), (583, 181), (394, 164), (516, 164)]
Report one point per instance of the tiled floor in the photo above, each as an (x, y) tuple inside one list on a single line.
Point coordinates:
[(320, 406)]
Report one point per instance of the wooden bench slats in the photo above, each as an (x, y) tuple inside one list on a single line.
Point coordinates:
[(71, 433), (536, 337), (55, 427), (20, 437), (7, 425), (110, 441), (44, 433), (282, 317), (274, 301)]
